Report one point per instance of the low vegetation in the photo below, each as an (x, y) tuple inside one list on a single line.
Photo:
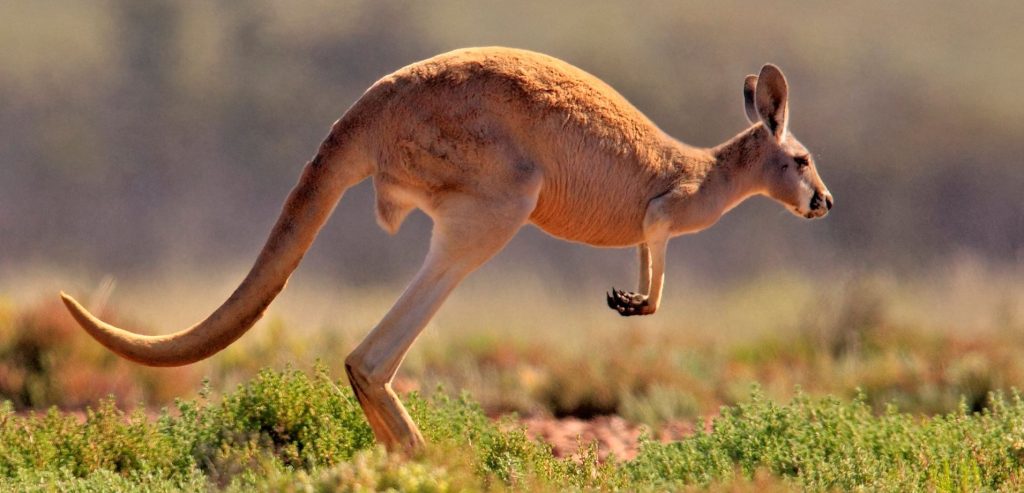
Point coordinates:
[(293, 431), (961, 336), (923, 397)]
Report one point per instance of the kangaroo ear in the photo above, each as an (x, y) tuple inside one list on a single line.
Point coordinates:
[(772, 100), (749, 85)]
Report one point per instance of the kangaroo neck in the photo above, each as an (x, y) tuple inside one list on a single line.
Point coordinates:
[(736, 170), (710, 187)]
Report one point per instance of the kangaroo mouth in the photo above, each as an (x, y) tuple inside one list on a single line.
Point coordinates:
[(808, 214), (814, 214)]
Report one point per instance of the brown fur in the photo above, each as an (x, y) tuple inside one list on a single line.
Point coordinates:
[(485, 140)]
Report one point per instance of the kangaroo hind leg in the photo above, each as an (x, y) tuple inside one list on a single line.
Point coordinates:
[(467, 232)]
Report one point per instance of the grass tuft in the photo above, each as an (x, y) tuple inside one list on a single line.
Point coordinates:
[(294, 431)]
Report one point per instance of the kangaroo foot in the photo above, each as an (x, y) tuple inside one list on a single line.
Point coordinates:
[(627, 303)]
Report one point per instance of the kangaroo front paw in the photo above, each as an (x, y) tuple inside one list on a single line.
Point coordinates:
[(627, 303)]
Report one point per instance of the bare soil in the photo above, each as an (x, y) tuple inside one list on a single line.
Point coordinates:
[(614, 436)]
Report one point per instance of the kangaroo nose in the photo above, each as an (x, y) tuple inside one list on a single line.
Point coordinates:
[(828, 201)]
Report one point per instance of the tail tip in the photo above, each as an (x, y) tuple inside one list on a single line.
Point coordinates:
[(69, 302)]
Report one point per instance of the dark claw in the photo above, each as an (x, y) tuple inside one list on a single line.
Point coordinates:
[(626, 303)]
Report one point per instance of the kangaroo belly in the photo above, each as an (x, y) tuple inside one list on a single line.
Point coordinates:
[(576, 215), (580, 233)]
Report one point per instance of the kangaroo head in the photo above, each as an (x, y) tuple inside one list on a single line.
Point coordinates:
[(788, 171)]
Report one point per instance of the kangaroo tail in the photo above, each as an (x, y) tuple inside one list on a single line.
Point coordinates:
[(307, 208)]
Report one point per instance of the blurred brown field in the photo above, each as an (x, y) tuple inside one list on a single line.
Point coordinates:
[(927, 346), (152, 143)]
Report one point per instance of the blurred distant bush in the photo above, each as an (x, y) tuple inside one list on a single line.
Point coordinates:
[(46, 359), (134, 135)]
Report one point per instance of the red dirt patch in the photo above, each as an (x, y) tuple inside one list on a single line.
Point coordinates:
[(613, 435)]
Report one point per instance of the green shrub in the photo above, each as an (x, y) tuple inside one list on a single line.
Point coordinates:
[(293, 431), (280, 428), (829, 445)]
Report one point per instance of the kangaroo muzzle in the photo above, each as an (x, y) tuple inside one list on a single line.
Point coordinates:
[(820, 204)]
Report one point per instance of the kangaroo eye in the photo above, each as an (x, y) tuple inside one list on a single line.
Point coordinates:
[(801, 161)]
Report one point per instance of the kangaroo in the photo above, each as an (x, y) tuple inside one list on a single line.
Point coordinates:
[(484, 141)]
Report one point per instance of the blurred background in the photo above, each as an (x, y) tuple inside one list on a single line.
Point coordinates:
[(146, 147)]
